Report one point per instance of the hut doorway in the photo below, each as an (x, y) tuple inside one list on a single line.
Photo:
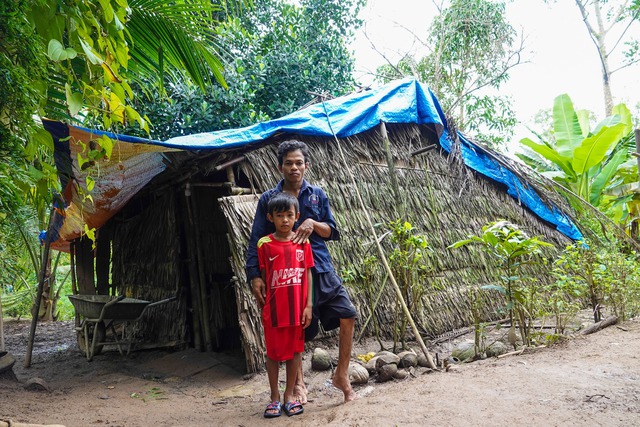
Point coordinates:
[(239, 212), (211, 280)]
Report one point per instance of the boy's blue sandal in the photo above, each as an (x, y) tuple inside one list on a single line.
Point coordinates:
[(274, 409), (293, 408)]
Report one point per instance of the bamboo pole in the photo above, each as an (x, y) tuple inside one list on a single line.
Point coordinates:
[(383, 256), (205, 317), (36, 308), (193, 274), (392, 169)]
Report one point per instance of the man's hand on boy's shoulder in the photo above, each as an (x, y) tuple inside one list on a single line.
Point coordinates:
[(303, 232), (259, 290)]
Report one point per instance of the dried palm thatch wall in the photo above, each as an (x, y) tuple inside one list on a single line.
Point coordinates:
[(145, 265), (439, 196)]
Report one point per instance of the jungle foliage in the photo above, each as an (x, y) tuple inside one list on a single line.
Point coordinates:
[(594, 163), (280, 55)]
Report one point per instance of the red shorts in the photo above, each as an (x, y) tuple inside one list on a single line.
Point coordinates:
[(283, 342)]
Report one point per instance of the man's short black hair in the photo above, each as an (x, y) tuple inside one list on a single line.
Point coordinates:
[(281, 202), (292, 145)]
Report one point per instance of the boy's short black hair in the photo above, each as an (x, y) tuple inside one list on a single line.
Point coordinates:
[(281, 202), (292, 145)]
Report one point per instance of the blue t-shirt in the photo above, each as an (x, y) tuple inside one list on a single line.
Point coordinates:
[(314, 204)]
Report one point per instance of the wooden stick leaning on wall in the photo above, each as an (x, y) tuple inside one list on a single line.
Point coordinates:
[(383, 256)]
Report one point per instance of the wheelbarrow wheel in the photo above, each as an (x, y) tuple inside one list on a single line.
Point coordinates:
[(101, 331)]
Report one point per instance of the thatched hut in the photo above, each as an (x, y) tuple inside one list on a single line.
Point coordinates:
[(174, 217)]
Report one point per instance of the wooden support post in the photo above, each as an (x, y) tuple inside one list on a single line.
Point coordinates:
[(202, 281), (36, 308), (84, 266), (103, 259), (392, 171), (193, 271)]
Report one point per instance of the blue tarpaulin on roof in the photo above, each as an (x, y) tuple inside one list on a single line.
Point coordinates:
[(401, 101)]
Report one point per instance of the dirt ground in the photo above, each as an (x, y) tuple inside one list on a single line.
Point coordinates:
[(591, 380)]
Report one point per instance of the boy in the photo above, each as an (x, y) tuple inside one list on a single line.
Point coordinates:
[(285, 267)]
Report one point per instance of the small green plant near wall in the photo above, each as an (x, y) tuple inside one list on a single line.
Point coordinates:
[(511, 249), (606, 276), (562, 297), (479, 327), (363, 279), (411, 265)]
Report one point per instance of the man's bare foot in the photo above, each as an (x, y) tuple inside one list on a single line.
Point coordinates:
[(345, 386), (300, 393)]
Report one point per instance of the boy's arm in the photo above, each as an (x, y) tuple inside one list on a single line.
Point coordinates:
[(307, 313), (261, 294)]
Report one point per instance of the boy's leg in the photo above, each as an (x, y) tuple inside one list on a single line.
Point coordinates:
[(292, 369), (273, 367)]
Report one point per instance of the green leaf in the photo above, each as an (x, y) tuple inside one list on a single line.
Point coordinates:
[(594, 149), (566, 126), (107, 10), (498, 288), (57, 52), (625, 117), (43, 138), (550, 154), (75, 102), (90, 183), (585, 123), (604, 177), (93, 56), (107, 145)]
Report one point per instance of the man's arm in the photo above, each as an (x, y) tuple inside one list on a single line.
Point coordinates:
[(324, 225), (258, 230), (252, 266)]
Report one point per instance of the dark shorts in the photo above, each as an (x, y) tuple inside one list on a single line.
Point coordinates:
[(330, 304)]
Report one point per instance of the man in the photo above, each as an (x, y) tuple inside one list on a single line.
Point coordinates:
[(331, 304)]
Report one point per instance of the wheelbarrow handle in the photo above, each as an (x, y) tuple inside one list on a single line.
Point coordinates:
[(109, 304), (154, 304), (161, 301)]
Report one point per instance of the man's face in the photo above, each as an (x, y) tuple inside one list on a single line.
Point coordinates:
[(293, 167)]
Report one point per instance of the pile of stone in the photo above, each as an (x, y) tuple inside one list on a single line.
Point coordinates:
[(383, 366)]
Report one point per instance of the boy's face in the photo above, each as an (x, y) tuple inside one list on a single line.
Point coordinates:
[(293, 167), (284, 220)]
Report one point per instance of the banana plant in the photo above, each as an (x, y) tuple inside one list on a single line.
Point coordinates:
[(584, 160)]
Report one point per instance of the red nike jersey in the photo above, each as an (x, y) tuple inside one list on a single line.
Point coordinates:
[(284, 264)]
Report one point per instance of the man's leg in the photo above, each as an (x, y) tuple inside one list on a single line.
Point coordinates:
[(292, 374), (341, 376), (300, 389)]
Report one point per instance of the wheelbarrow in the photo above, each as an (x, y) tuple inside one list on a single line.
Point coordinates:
[(102, 312)]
